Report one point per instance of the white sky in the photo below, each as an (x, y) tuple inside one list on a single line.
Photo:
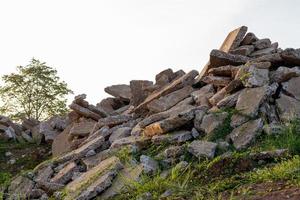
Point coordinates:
[(97, 43)]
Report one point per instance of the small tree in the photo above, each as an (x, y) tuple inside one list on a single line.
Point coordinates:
[(35, 91)]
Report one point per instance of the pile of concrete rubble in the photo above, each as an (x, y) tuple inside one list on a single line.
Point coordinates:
[(251, 76)]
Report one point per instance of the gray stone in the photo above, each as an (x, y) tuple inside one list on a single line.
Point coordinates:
[(168, 101), (83, 128), (229, 101), (262, 43), (212, 121), (219, 58), (257, 77), (139, 90), (265, 51), (218, 81), (187, 79), (291, 56), (120, 91), (245, 134), (173, 137), (91, 152), (114, 120), (195, 133), (120, 133), (95, 181), (250, 38), (202, 95), (243, 50), (248, 103), (227, 70), (274, 58), (65, 174), (44, 174), (199, 114), (131, 140), (288, 107), (201, 148), (272, 128), (169, 124), (283, 74), (150, 166), (84, 111), (292, 87), (20, 188)]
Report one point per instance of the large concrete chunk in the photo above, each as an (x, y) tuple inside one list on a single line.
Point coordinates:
[(288, 107), (20, 188), (218, 81), (291, 56), (94, 181), (173, 137), (283, 74), (120, 133), (169, 124), (131, 140), (139, 90), (229, 101), (166, 102), (292, 87), (202, 95), (126, 175), (212, 121), (227, 70), (184, 80), (245, 134), (219, 58), (248, 104), (254, 74), (243, 50), (262, 43), (202, 149), (61, 143), (82, 128), (231, 87), (114, 120), (249, 39), (120, 91), (84, 111), (65, 174)]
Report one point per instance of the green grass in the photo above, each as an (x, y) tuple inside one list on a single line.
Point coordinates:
[(287, 138), (5, 179)]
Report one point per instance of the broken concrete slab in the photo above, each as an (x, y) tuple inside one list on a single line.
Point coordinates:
[(202, 95), (166, 102), (283, 74), (219, 58), (262, 43), (249, 39), (139, 90), (119, 91), (245, 134), (201, 148), (82, 128), (288, 108), (218, 81), (228, 70), (175, 137), (65, 174), (245, 50), (291, 56), (120, 133), (291, 87), (187, 79), (212, 121)]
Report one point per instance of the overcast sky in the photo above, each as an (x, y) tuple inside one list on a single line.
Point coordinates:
[(97, 43)]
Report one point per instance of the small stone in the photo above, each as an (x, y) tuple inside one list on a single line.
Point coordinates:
[(91, 152), (195, 133), (202, 148), (229, 101), (150, 166), (140, 141), (8, 154), (199, 114), (12, 161), (265, 51)]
